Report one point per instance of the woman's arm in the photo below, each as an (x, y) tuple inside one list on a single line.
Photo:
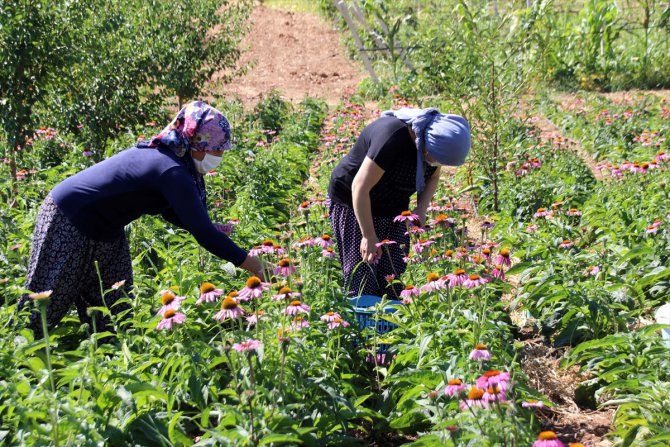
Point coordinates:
[(367, 176), (426, 196)]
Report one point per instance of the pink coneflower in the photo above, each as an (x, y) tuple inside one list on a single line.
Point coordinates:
[(170, 318), (208, 293), (330, 316), (324, 241), (532, 228), (406, 216), (498, 272), (532, 403), (454, 387), (503, 257), (296, 307), (256, 250), (461, 252), (548, 439), (407, 294), (457, 278), (656, 223), (385, 242), (486, 253), (443, 220), (493, 377), (284, 293), (37, 296), (422, 244), (434, 282), (256, 316), (593, 270), (481, 352), (474, 281), (305, 241), (299, 323), (117, 285), (169, 301), (253, 288), (285, 267), (573, 212), (566, 243), (475, 399), (337, 322), (434, 207), (304, 206), (541, 212), (652, 229), (390, 278), (230, 309), (495, 393), (486, 225), (247, 346), (328, 252)]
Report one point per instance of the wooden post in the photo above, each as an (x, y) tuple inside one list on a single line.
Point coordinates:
[(357, 39)]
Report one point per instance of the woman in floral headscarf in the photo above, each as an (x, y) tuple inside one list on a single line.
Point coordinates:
[(82, 220)]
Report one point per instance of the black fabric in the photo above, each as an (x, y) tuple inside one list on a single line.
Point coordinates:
[(388, 143), (101, 200)]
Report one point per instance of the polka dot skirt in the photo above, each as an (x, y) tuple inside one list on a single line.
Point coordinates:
[(362, 278)]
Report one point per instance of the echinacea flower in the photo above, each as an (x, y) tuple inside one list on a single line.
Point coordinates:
[(541, 212), (532, 403), (230, 309), (169, 301), (170, 318), (324, 241), (285, 293), (330, 316), (503, 257), (385, 242), (457, 278), (475, 399), (443, 220), (423, 243), (454, 387), (532, 228), (406, 216), (493, 377), (495, 393), (548, 439), (652, 229), (38, 296), (208, 293), (593, 270), (337, 322), (285, 267), (305, 241), (566, 243), (407, 293), (247, 346), (253, 288), (299, 323), (576, 444), (256, 316), (498, 272), (117, 285), (328, 252), (573, 212), (481, 352), (296, 307), (435, 282), (474, 281)]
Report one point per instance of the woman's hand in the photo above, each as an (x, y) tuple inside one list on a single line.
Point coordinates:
[(257, 267), (369, 250)]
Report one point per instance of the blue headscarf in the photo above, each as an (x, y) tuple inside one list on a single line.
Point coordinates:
[(446, 137)]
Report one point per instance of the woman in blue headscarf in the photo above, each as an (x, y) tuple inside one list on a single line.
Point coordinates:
[(395, 156)]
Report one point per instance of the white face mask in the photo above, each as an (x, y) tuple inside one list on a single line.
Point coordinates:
[(207, 163)]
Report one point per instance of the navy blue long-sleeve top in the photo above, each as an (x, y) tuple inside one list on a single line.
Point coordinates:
[(101, 200)]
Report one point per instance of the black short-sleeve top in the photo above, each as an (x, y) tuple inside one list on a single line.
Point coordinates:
[(388, 143)]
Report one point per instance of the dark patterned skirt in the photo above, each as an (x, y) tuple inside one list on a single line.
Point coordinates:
[(362, 278), (63, 260)]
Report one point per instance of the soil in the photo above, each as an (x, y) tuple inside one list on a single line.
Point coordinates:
[(297, 53)]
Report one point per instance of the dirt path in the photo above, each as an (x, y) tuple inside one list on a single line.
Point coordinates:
[(297, 53)]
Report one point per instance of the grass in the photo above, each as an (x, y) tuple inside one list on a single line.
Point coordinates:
[(293, 5)]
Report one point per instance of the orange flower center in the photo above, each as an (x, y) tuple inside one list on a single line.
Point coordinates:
[(409, 287), (169, 314), (486, 251), (268, 243), (337, 320), (406, 213), (284, 262), (441, 217), (492, 373), (547, 436), (330, 314), (573, 210), (229, 303), (541, 210), (325, 237), (167, 298), (295, 303), (253, 282), (459, 272), (304, 205), (473, 277), (449, 253), (233, 294), (433, 277), (475, 393), (566, 241), (207, 287), (284, 291), (481, 347), (504, 252), (455, 382)]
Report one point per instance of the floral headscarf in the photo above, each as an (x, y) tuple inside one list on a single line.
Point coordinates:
[(198, 126)]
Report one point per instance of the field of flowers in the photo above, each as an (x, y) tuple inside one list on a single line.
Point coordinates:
[(524, 244)]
